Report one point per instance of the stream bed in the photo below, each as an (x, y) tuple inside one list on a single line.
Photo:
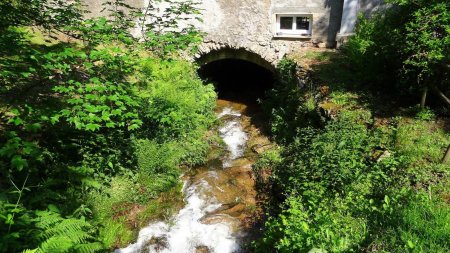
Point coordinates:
[(220, 197)]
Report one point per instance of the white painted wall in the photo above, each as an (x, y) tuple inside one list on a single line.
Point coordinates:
[(349, 16)]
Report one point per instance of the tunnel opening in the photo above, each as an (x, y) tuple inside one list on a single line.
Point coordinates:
[(238, 80)]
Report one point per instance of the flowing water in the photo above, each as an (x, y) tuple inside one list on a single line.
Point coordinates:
[(220, 197)]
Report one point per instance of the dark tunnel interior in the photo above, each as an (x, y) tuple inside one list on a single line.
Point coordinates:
[(237, 80)]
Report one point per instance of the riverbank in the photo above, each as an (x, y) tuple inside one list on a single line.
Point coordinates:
[(359, 170), (221, 208)]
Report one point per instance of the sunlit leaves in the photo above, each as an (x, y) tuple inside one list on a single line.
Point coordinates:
[(17, 162), (428, 38), (84, 109), (167, 26), (96, 104), (408, 45), (95, 86)]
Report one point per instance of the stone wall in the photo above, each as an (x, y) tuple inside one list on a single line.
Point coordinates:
[(326, 17), (95, 6), (249, 25), (239, 25), (368, 7), (254, 21)]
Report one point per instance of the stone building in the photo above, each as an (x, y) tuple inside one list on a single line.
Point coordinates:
[(272, 28)]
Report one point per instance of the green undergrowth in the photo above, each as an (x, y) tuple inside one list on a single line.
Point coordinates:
[(355, 173), (178, 107), (93, 139), (119, 218)]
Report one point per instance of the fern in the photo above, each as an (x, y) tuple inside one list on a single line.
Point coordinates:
[(89, 247), (58, 234), (56, 244)]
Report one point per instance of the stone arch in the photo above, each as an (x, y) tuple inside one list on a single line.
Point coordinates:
[(263, 56)]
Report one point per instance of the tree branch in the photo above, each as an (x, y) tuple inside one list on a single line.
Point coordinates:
[(20, 191), (423, 100), (447, 155), (441, 95)]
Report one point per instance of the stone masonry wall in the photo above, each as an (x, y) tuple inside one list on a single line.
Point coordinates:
[(249, 25)]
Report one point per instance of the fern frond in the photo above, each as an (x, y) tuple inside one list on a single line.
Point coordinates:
[(89, 247), (56, 244), (47, 219), (73, 229), (59, 234), (30, 251)]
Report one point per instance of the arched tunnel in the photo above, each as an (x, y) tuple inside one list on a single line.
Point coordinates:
[(237, 75)]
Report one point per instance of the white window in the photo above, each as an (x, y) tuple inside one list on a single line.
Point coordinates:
[(294, 25)]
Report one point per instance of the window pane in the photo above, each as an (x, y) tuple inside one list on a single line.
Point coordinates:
[(302, 23), (286, 23)]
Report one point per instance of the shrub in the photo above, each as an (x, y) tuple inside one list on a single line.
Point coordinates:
[(177, 103), (288, 106), (351, 187), (331, 158), (322, 228), (154, 158), (335, 186), (97, 124), (404, 49), (425, 114)]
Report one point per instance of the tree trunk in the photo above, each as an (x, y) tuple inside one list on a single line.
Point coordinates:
[(442, 95), (447, 155), (423, 100)]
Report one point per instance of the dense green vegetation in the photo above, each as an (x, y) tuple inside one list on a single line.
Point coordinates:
[(361, 167), (94, 123), (410, 44)]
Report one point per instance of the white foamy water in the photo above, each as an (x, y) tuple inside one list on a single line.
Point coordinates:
[(233, 135), (185, 232), (228, 111)]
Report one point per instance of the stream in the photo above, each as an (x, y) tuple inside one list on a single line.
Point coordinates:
[(220, 197)]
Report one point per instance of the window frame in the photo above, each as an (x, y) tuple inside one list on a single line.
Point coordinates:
[(294, 32)]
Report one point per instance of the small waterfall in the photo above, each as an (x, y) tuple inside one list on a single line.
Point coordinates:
[(197, 226), (233, 135)]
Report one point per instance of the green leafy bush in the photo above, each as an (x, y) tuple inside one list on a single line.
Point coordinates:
[(330, 159), (300, 228), (425, 114), (288, 106), (96, 127), (404, 49), (332, 184), (168, 28), (352, 187), (176, 100)]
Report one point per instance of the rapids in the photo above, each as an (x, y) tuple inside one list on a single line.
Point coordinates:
[(220, 197)]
